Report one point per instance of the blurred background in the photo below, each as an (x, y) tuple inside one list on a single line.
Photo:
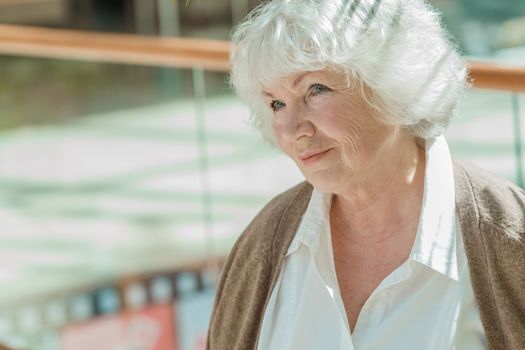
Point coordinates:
[(125, 177)]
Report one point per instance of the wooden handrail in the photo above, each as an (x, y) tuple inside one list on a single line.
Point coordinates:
[(178, 52), (114, 48), (492, 76)]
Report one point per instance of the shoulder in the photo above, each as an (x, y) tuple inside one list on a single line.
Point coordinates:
[(278, 216), (252, 267), (491, 213), (259, 248), (500, 204)]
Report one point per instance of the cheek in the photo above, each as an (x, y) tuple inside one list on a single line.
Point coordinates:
[(279, 139), (277, 131), (343, 121), (352, 135), (354, 128)]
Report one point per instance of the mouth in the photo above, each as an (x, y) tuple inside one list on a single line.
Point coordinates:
[(311, 157)]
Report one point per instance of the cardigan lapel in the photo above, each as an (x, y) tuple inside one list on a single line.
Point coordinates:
[(475, 249), (285, 232)]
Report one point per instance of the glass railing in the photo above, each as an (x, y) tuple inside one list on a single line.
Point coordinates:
[(97, 202), (488, 130)]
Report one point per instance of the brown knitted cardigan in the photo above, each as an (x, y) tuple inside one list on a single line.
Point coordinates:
[(492, 216)]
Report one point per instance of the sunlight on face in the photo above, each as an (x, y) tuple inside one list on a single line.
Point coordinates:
[(328, 129)]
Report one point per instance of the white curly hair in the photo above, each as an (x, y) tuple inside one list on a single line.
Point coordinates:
[(396, 48)]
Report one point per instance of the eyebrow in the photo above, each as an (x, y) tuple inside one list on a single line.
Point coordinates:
[(268, 94), (300, 78), (294, 83)]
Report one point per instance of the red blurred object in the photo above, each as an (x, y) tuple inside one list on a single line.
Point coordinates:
[(151, 328)]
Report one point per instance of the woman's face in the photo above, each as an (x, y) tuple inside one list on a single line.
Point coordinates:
[(328, 129)]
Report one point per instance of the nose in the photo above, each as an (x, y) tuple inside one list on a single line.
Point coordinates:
[(296, 123)]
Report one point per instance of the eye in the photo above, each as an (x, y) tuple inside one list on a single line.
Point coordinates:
[(317, 89), (276, 105)]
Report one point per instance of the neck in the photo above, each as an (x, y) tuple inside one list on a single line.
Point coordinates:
[(384, 201)]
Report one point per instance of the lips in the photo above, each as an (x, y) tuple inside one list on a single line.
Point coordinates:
[(312, 156)]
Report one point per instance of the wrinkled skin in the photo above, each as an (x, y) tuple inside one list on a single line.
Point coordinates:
[(318, 112)]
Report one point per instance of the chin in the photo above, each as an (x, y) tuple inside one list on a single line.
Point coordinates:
[(330, 180), (324, 184)]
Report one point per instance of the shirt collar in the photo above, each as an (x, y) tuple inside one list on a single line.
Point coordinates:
[(315, 222), (435, 242)]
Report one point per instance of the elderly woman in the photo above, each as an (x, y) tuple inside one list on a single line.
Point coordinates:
[(389, 244)]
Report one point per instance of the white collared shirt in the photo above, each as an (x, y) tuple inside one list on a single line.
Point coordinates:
[(426, 303)]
